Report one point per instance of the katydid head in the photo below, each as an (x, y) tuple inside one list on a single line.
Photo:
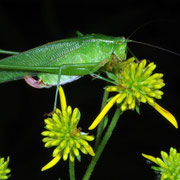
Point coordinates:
[(120, 48)]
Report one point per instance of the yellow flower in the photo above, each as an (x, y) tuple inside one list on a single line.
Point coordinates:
[(169, 165), (4, 170), (62, 133), (135, 83)]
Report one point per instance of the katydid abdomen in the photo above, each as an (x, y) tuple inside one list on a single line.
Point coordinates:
[(85, 53)]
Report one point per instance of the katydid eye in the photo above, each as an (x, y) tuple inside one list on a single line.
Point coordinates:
[(123, 39), (119, 42)]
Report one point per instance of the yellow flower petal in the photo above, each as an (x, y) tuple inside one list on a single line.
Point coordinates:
[(112, 88), (89, 149), (166, 114), (151, 158), (52, 163), (121, 98), (62, 99), (104, 112)]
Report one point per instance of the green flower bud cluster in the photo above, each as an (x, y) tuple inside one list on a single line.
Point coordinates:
[(135, 83), (62, 133), (168, 166), (4, 170)]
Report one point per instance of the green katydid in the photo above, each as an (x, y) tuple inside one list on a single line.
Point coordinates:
[(69, 58), (78, 56), (63, 61)]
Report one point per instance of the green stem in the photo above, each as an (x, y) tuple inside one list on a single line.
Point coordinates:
[(102, 144), (101, 125), (71, 170)]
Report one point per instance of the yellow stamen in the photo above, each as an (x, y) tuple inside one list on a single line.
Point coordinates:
[(151, 158), (62, 99), (52, 163), (104, 112), (166, 114)]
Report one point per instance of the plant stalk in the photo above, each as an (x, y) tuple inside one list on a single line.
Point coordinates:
[(102, 144), (101, 125), (71, 170)]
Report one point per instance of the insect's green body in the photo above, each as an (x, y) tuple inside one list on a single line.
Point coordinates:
[(80, 56)]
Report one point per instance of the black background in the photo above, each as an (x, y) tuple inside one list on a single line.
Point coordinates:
[(27, 24)]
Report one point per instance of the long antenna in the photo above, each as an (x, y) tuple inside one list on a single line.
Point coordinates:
[(157, 47), (150, 45), (147, 23), (140, 27)]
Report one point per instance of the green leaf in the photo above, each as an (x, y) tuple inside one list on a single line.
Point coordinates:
[(156, 168), (137, 109), (111, 76), (106, 119), (78, 158)]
